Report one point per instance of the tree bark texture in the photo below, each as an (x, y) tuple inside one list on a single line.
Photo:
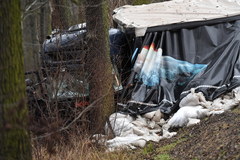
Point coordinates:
[(14, 137), (98, 63), (61, 14), (31, 43), (45, 21)]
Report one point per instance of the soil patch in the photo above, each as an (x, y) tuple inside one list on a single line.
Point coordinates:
[(216, 137)]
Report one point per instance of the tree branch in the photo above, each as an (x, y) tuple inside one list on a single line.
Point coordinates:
[(88, 108)]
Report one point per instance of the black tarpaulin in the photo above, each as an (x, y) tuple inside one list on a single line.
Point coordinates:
[(170, 63)]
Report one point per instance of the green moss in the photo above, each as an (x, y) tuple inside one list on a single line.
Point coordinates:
[(149, 148), (101, 79), (165, 150), (14, 138), (108, 109), (236, 110), (162, 157), (169, 147), (138, 2)]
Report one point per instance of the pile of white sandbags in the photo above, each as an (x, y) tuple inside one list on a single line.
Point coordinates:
[(132, 132)]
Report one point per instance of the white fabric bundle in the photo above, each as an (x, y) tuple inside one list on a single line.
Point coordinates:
[(133, 132)]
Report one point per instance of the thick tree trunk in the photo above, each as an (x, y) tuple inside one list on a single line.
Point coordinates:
[(61, 14), (98, 61), (81, 15), (78, 11), (14, 137)]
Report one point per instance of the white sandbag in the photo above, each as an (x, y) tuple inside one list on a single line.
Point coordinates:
[(132, 133), (151, 124), (125, 142), (192, 99), (120, 124), (154, 115), (181, 117), (161, 122), (166, 133), (224, 104), (152, 137), (140, 131), (236, 93), (157, 116), (140, 121), (192, 121), (149, 115)]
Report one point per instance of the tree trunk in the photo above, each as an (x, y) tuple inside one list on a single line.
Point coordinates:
[(31, 43), (14, 137), (61, 14), (98, 63), (81, 13), (45, 21), (78, 11)]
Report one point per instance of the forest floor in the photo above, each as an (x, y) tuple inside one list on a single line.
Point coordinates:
[(215, 137)]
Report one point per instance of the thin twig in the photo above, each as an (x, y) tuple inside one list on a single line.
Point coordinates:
[(28, 11), (88, 108), (30, 6)]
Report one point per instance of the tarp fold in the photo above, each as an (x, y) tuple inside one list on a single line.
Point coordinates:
[(170, 63)]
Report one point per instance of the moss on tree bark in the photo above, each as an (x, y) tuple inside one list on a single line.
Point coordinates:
[(14, 137), (98, 61)]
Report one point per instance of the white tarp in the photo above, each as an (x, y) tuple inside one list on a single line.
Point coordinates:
[(140, 17)]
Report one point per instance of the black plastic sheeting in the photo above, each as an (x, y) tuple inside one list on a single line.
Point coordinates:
[(170, 63)]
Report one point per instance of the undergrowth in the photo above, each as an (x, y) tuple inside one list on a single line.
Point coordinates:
[(78, 148)]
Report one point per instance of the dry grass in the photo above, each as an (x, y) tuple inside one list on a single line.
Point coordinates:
[(78, 148)]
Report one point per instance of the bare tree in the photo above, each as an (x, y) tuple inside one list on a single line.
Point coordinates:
[(14, 137), (98, 61)]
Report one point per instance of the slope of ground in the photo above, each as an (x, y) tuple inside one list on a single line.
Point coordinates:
[(216, 137)]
